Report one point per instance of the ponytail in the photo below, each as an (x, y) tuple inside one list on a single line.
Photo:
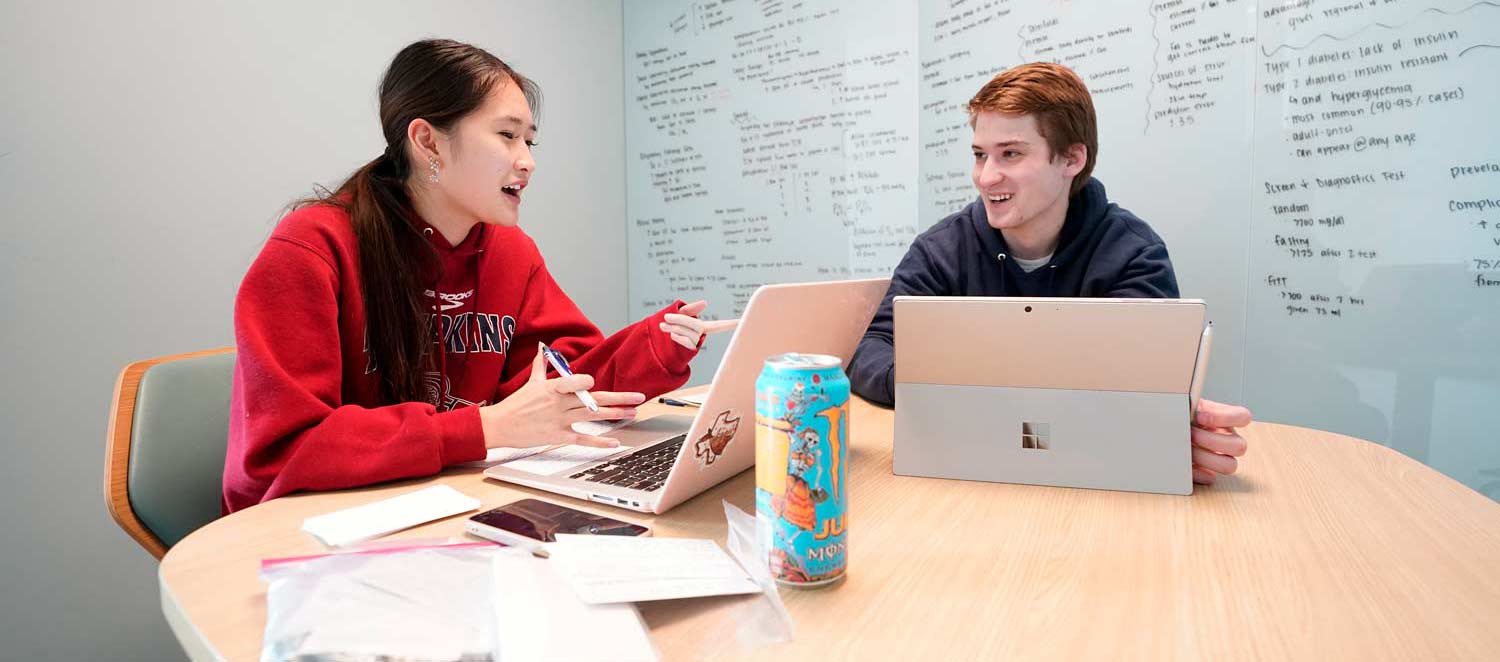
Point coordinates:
[(394, 259)]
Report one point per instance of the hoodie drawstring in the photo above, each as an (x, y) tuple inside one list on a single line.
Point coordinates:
[(435, 323), (1001, 257)]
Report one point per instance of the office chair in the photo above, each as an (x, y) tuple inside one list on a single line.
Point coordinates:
[(164, 457)]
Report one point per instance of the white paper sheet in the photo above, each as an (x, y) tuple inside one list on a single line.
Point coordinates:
[(502, 455), (562, 458), (370, 520), (611, 569), (496, 456), (539, 618)]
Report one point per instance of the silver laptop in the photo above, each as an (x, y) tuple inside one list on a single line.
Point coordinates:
[(672, 458), (1065, 392)]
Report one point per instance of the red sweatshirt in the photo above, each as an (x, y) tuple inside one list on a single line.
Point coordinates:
[(305, 413)]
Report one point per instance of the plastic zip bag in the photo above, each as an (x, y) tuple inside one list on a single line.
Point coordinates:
[(392, 603), (730, 626), (764, 621)]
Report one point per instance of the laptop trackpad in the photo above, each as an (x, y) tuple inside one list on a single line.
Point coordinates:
[(651, 430)]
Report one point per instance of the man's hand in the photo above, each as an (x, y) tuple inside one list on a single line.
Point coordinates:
[(1216, 444)]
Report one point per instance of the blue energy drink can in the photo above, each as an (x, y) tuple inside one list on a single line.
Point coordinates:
[(801, 467)]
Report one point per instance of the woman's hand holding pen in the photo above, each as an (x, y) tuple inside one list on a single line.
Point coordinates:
[(543, 411), (687, 330)]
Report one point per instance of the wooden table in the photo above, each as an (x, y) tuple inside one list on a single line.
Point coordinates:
[(1322, 547)]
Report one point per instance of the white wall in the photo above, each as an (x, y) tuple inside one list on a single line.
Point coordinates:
[(146, 150)]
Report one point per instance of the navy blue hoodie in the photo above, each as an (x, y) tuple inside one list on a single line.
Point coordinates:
[(1103, 250)]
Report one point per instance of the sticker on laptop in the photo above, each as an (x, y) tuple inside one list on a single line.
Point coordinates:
[(711, 445)]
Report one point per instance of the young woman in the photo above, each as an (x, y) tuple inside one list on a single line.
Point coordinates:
[(393, 327)]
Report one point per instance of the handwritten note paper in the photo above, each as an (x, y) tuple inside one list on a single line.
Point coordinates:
[(611, 569)]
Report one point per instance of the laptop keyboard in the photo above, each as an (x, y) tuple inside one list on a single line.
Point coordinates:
[(645, 470)]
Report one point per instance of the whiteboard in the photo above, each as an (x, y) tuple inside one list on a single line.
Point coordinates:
[(1375, 260), (765, 142), (1326, 174)]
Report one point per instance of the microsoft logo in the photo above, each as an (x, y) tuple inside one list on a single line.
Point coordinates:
[(1036, 436)]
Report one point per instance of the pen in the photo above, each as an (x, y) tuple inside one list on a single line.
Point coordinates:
[(676, 403), (1200, 371), (560, 364)]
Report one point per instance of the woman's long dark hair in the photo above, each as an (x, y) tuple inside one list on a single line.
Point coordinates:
[(441, 81)]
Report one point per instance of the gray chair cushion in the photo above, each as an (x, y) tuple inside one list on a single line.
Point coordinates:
[(177, 444)]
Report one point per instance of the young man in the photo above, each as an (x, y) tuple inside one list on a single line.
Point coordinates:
[(1041, 227)]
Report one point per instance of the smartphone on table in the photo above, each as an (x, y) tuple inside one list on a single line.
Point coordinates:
[(530, 522)]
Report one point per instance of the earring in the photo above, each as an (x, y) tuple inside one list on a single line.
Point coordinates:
[(432, 164)]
